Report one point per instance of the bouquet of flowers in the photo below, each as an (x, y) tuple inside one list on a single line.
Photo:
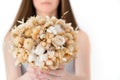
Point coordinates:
[(44, 42)]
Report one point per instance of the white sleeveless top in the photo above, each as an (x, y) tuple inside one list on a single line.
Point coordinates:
[(69, 67)]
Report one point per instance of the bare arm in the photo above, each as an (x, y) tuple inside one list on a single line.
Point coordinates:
[(82, 63), (12, 71)]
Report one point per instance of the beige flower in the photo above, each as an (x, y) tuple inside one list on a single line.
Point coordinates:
[(49, 62), (58, 28), (43, 57), (58, 41), (39, 50), (39, 63), (28, 32), (28, 43), (55, 29), (32, 58), (51, 53), (18, 41), (52, 30)]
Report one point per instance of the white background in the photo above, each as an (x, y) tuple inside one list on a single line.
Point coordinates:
[(100, 19)]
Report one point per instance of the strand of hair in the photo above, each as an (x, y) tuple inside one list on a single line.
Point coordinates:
[(64, 14)]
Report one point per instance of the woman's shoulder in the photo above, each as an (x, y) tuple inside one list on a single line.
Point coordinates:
[(83, 40), (82, 35), (7, 40), (7, 37)]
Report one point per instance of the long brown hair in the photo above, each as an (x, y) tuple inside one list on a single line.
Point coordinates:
[(27, 9)]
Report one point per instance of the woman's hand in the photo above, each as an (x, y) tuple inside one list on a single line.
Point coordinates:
[(58, 74), (32, 74)]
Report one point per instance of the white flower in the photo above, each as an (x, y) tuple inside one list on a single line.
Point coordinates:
[(32, 51), (58, 41), (31, 57), (51, 29), (42, 36), (55, 29), (43, 57), (58, 28), (39, 50), (39, 63), (51, 53)]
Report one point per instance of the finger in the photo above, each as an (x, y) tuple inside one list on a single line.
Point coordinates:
[(26, 76), (52, 77), (33, 76), (34, 70), (59, 73), (42, 76), (37, 76), (31, 69)]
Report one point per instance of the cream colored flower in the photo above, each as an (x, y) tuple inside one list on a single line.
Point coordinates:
[(39, 50), (58, 41), (28, 43), (49, 62), (54, 19), (32, 58), (58, 28), (52, 30), (55, 29), (43, 57), (39, 63), (42, 36), (51, 53), (18, 41), (28, 32)]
